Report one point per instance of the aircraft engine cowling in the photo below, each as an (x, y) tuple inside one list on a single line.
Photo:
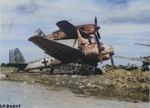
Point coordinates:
[(88, 29), (106, 57), (91, 50)]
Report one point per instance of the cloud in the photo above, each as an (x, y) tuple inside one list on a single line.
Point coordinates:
[(29, 9), (126, 30), (31, 15), (116, 1), (132, 12), (36, 11), (108, 11), (122, 22)]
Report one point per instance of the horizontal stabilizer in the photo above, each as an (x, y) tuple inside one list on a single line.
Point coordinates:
[(18, 65)]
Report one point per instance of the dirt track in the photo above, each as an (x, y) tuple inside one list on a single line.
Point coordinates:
[(36, 96), (115, 83)]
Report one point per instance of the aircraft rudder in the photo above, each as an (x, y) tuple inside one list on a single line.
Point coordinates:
[(39, 32), (11, 56), (18, 57)]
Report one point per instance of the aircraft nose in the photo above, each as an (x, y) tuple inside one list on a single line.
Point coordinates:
[(97, 28), (112, 53), (111, 48), (108, 49)]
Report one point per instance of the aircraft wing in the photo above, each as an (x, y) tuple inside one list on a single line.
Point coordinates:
[(57, 50), (143, 59), (143, 44), (69, 29)]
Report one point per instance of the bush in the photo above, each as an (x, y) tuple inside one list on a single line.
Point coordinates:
[(3, 65)]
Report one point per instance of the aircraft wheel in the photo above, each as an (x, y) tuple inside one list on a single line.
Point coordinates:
[(26, 70), (98, 71), (74, 72), (83, 72), (41, 69)]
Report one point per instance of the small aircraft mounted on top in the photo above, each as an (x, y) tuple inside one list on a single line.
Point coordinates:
[(145, 60), (89, 52)]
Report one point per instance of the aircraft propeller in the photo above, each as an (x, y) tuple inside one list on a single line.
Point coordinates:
[(97, 28), (95, 21), (99, 49), (97, 36)]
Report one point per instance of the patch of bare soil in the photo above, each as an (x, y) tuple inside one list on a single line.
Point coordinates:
[(115, 83)]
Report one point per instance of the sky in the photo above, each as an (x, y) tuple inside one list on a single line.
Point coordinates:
[(122, 22)]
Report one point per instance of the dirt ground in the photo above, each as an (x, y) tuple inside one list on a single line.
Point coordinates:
[(114, 83), (36, 96)]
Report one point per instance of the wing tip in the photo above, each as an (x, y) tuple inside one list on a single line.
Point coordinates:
[(34, 37)]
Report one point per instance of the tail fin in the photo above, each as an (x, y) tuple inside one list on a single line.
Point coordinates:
[(39, 33), (15, 56), (11, 56)]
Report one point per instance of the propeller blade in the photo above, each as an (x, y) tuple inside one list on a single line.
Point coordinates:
[(98, 35), (96, 21), (97, 41), (100, 54), (112, 61), (97, 28)]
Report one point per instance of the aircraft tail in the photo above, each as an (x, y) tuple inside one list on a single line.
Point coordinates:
[(15, 56), (39, 33)]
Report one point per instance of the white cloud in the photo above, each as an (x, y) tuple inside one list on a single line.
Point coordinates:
[(125, 28), (127, 21), (133, 12), (46, 11), (52, 11)]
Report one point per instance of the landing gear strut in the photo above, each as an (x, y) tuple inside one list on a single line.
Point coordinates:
[(98, 71), (86, 69), (52, 69), (145, 66), (41, 69)]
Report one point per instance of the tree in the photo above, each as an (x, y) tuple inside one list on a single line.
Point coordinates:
[(3, 65)]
